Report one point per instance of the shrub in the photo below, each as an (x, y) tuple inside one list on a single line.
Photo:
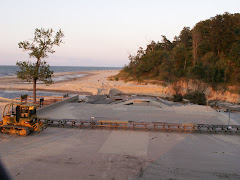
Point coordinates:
[(196, 97), (177, 98)]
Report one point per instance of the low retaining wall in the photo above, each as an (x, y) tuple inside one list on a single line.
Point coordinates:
[(54, 105)]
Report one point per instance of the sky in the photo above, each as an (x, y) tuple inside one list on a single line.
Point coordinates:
[(99, 32)]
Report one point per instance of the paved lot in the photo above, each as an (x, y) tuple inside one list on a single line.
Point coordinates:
[(66, 153), (161, 113)]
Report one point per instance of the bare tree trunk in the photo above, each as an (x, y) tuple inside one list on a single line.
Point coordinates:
[(35, 80), (34, 90)]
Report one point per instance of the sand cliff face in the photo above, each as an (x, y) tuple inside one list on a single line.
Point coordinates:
[(181, 87), (212, 94)]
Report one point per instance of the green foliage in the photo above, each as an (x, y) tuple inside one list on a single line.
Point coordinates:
[(186, 36), (210, 52), (177, 98), (196, 97), (28, 72)]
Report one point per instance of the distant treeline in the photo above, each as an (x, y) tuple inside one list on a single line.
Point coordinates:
[(210, 52)]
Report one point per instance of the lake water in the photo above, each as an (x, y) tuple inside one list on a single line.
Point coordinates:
[(11, 94), (12, 70)]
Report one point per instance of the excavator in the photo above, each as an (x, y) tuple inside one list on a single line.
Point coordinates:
[(20, 118)]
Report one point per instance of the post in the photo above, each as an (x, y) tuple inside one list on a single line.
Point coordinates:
[(207, 104), (34, 90), (229, 111), (41, 102)]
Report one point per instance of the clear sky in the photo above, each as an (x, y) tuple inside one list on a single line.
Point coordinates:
[(100, 32)]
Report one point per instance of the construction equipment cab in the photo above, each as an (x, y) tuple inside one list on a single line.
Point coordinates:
[(20, 118)]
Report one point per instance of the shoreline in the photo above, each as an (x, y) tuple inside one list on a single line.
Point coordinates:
[(97, 83), (71, 85)]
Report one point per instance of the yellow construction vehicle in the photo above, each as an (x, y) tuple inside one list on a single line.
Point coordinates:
[(20, 118)]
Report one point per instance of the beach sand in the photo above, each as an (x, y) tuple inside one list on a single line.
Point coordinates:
[(95, 83), (90, 83)]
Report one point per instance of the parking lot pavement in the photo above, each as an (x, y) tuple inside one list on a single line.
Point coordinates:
[(74, 153)]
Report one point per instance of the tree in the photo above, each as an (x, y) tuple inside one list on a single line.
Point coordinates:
[(196, 41), (210, 52), (186, 37), (166, 43), (43, 43)]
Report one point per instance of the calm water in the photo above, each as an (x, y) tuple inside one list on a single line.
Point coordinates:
[(10, 94), (11, 70)]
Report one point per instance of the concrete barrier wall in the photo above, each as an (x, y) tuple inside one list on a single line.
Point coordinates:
[(54, 105)]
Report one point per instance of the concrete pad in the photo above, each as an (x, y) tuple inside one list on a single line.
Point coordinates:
[(198, 156), (182, 114), (161, 142), (194, 110), (65, 153), (224, 117), (126, 142)]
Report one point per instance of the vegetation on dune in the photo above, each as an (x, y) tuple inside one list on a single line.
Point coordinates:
[(210, 53)]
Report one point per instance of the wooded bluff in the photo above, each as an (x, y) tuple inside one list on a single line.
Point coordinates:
[(209, 52)]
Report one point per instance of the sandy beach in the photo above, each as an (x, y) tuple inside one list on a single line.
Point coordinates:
[(94, 82), (90, 83)]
